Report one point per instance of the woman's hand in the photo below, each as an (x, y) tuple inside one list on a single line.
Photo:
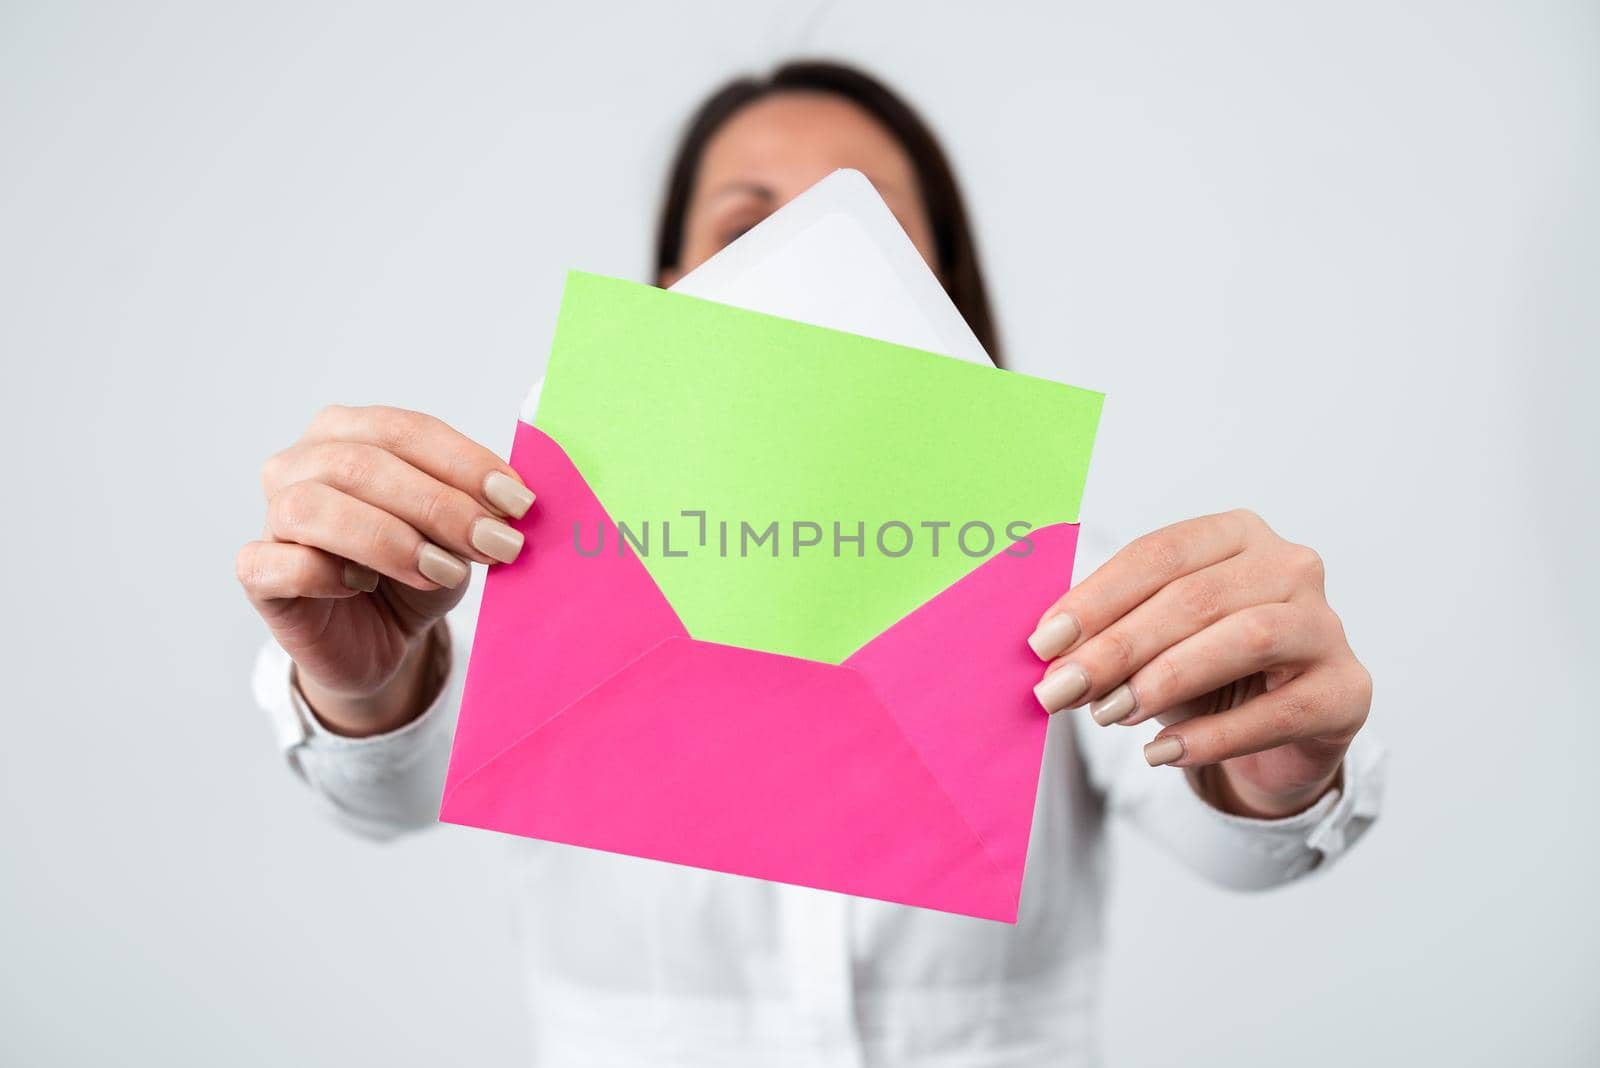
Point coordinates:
[(1220, 628), (371, 518)]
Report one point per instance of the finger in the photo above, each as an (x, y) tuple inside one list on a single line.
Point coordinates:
[(315, 514), (1138, 570), (1254, 639), (432, 446), (1314, 706), (273, 570), (1178, 610), (444, 514)]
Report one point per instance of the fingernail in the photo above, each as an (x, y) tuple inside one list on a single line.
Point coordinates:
[(507, 494), (1062, 688), (439, 566), (1114, 707), (1054, 636), (1164, 751), (358, 578), (495, 540)]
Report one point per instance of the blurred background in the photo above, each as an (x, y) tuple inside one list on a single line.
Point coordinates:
[(1339, 263)]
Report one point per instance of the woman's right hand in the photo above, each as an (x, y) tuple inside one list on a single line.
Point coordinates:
[(371, 518)]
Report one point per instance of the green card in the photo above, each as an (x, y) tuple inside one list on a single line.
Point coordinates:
[(832, 483)]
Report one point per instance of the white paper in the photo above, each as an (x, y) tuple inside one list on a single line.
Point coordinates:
[(836, 256)]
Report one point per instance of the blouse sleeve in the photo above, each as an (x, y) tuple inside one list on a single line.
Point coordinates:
[(379, 786), (1232, 851)]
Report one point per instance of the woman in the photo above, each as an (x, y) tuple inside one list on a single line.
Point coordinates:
[(1216, 625)]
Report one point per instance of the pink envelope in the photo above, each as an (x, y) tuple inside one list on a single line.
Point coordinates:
[(907, 773)]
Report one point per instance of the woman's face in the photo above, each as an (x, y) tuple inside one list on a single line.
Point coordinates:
[(778, 147)]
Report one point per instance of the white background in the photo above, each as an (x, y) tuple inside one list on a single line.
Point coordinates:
[(1336, 262)]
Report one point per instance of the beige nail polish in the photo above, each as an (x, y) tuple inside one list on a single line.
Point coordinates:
[(1115, 706), (1164, 751), (495, 540), (507, 494), (1062, 688), (1054, 636), (358, 578), (439, 566)]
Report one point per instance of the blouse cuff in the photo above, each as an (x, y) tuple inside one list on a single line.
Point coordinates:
[(380, 784), (1248, 854)]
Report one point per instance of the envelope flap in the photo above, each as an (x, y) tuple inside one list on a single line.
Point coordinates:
[(548, 630), (957, 676), (902, 469)]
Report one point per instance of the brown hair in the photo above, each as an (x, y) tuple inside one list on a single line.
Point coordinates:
[(953, 240)]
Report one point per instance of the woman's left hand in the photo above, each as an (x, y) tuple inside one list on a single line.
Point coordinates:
[(1219, 627)]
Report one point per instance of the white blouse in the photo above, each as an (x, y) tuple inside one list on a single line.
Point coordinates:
[(635, 962)]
